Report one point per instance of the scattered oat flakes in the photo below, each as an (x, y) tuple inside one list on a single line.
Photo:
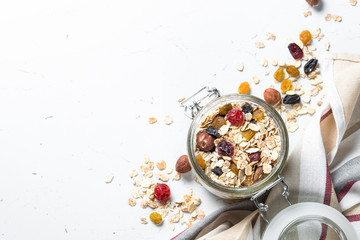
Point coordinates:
[(327, 46), (311, 48), (152, 120), (109, 178), (307, 13), (196, 180), (292, 127), (146, 158), (239, 65), (132, 202), (256, 79), (133, 173), (181, 99), (297, 63), (271, 36), (259, 44), (281, 63), (143, 220), (163, 177), (161, 165), (353, 2), (169, 170), (177, 176), (267, 72), (320, 36), (337, 18), (264, 62), (168, 120), (319, 103), (300, 44), (273, 61), (328, 17)]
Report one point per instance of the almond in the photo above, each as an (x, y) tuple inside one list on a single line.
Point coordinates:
[(182, 164)]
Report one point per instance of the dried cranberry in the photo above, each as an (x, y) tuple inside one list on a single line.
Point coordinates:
[(254, 157), (162, 192), (225, 148), (217, 171), (213, 132), (235, 117), (295, 51), (247, 108)]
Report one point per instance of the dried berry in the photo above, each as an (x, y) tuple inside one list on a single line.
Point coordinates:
[(217, 171), (205, 141), (291, 99), (295, 51), (254, 157), (248, 134), (225, 148), (279, 74), (286, 85), (258, 115), (310, 65), (218, 122), (305, 36), (156, 218), (213, 132), (234, 168), (225, 109), (247, 108), (258, 174), (235, 117), (201, 162), (162, 192), (292, 71), (183, 164), (244, 88), (272, 97)]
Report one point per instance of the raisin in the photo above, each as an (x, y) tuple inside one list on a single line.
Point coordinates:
[(310, 65), (201, 162), (248, 134), (291, 99), (279, 74), (235, 117), (218, 122), (258, 115), (205, 141), (213, 132), (156, 218), (295, 51), (247, 108), (286, 85), (234, 168), (225, 109), (305, 36), (225, 148), (217, 171), (254, 157), (162, 192), (292, 71), (244, 88)]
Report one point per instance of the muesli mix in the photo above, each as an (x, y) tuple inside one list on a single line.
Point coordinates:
[(238, 144)]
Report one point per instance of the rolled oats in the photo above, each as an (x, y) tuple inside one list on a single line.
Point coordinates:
[(259, 44), (161, 165), (152, 120), (168, 120), (131, 202)]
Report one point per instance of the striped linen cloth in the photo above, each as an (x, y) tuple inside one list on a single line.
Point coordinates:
[(323, 167)]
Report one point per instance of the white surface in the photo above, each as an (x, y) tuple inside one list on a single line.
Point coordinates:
[(80, 78)]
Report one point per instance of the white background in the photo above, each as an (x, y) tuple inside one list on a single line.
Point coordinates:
[(79, 79)]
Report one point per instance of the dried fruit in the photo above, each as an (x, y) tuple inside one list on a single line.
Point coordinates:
[(225, 109), (218, 122), (254, 157), (258, 174), (244, 88), (205, 141), (292, 71), (272, 97), (291, 99), (183, 164), (313, 3), (247, 108), (217, 171), (213, 132), (279, 74), (286, 85), (310, 65), (235, 117), (295, 51), (201, 162), (162, 192), (305, 36), (258, 115), (156, 218), (234, 168), (225, 148), (248, 134)]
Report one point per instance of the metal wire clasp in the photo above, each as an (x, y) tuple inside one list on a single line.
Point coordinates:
[(193, 104), (263, 207)]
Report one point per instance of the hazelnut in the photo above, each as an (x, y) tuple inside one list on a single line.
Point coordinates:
[(205, 141), (313, 3), (182, 164), (272, 96)]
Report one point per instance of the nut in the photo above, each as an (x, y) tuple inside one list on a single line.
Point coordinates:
[(205, 141), (257, 174), (313, 3), (272, 96), (182, 164)]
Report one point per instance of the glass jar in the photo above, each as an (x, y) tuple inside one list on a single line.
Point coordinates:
[(231, 192)]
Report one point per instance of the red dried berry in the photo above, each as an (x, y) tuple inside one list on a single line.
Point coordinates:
[(225, 148), (162, 192), (295, 51), (235, 117), (254, 157)]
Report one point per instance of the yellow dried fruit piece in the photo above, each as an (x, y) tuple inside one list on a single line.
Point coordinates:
[(244, 88), (200, 160), (234, 169), (286, 85), (279, 74), (258, 115), (248, 134), (156, 218), (292, 71)]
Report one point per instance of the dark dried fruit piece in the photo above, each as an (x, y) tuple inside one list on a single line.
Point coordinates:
[(218, 122), (247, 108), (225, 109), (225, 148), (217, 171), (162, 192), (235, 117), (213, 132), (291, 99), (254, 157), (258, 173), (205, 141), (310, 66), (183, 164), (295, 51)]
